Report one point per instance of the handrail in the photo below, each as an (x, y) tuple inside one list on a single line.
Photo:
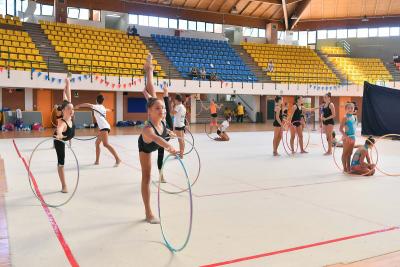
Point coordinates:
[(244, 101)]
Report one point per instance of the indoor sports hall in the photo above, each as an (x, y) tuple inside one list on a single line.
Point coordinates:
[(200, 133)]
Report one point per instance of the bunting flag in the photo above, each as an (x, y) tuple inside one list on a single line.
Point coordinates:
[(53, 79), (1, 69)]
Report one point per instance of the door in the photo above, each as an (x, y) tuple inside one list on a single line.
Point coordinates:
[(44, 105), (109, 103), (270, 109)]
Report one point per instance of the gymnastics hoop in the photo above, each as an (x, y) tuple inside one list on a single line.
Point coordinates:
[(322, 138), (349, 173), (85, 139), (202, 107), (191, 138), (379, 169), (297, 146), (208, 135), (167, 243), (285, 144), (191, 183), (30, 176)]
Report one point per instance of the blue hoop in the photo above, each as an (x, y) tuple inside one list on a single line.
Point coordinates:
[(167, 243)]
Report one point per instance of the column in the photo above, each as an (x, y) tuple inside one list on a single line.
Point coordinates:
[(1, 98), (193, 108), (316, 104), (119, 107), (28, 99), (60, 10), (271, 32)]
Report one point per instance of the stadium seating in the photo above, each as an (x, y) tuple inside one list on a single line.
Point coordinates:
[(359, 70), (333, 50), (101, 50), (10, 20), (292, 64), (214, 55), (19, 52)]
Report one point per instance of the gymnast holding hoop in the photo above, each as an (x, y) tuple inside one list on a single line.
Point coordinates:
[(348, 130), (214, 114), (100, 113), (358, 164), (153, 137), (65, 131), (278, 123), (328, 113), (221, 132)]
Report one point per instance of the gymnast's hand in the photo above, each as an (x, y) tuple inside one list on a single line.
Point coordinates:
[(59, 137), (172, 134), (172, 150)]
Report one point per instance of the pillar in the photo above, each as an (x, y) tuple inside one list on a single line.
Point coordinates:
[(193, 108), (119, 106), (28, 99), (316, 112), (271, 32), (1, 98), (60, 10)]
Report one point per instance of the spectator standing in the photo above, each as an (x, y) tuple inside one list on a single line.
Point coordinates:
[(240, 113)]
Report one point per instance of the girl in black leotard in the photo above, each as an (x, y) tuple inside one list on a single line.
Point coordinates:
[(278, 122), (297, 126), (153, 137), (65, 131), (328, 113)]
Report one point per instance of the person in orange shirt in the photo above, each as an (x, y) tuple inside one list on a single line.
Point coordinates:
[(214, 114)]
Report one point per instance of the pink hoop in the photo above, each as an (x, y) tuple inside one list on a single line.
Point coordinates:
[(380, 170)]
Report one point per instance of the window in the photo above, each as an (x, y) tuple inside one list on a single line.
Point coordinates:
[(281, 35), (10, 7), (303, 38), (261, 33), (163, 22), (201, 26), (173, 23), (331, 34), (362, 33), (372, 32), (143, 20), (133, 19), (153, 21), (395, 31), (341, 34), (295, 36), (97, 15), (73, 12), (83, 13), (192, 25), (384, 32), (352, 33), (254, 32), (2, 7), (22, 5), (209, 27), (321, 34), (312, 37), (246, 31), (218, 28), (183, 24)]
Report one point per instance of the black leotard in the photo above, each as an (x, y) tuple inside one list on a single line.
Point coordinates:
[(168, 120), (327, 112), (285, 113), (276, 123), (153, 146), (297, 116), (69, 133)]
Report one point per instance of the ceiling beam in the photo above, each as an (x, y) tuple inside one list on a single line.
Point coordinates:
[(278, 2), (298, 12), (244, 8), (276, 11), (389, 7), (211, 3), (266, 10), (259, 5), (199, 3), (285, 14), (223, 3)]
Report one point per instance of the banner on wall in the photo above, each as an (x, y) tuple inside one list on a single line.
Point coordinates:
[(381, 110)]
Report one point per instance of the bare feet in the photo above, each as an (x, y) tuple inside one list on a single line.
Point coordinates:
[(304, 152), (327, 153), (64, 190), (96, 163), (276, 154), (117, 163), (152, 220)]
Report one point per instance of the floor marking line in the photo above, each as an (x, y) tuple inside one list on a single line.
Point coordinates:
[(283, 251), (50, 216)]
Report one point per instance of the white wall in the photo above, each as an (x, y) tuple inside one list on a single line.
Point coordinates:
[(28, 99), (21, 79), (148, 31), (89, 23), (251, 103)]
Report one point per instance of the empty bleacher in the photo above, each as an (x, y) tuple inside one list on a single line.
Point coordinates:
[(214, 55), (359, 70), (106, 51), (333, 50), (10, 20), (17, 51), (292, 64)]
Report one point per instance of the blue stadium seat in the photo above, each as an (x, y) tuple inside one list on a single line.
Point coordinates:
[(214, 55)]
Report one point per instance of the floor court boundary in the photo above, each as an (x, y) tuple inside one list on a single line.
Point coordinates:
[(302, 247), (52, 220)]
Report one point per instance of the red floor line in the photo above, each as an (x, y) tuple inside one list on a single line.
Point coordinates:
[(283, 251), (50, 216)]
